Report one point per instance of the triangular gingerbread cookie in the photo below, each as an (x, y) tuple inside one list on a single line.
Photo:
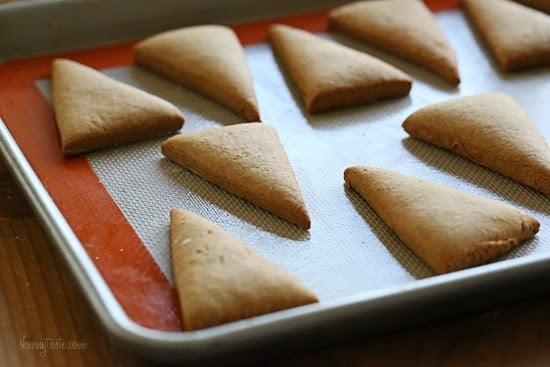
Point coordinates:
[(207, 59), (329, 75), (449, 229), (247, 160), (405, 28), (219, 279), (518, 36), (94, 111), (490, 129)]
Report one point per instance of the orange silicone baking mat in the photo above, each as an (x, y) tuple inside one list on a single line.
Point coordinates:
[(117, 227)]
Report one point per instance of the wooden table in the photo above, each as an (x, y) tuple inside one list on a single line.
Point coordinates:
[(40, 300)]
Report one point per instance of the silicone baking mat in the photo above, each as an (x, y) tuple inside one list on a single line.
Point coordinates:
[(117, 200)]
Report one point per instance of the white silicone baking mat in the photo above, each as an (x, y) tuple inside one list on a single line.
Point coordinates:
[(348, 250)]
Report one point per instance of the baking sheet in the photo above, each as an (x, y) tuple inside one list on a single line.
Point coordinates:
[(348, 250)]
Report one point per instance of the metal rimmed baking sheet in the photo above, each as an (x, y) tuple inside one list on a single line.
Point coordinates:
[(349, 258)]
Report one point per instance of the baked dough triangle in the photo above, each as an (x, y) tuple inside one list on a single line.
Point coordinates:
[(518, 36), (405, 28), (94, 111), (207, 59), (449, 229), (247, 160), (219, 279), (329, 75), (490, 129)]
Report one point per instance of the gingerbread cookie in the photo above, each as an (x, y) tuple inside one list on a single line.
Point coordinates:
[(518, 36), (247, 160), (207, 59), (490, 129), (329, 75), (405, 28), (219, 279), (94, 111), (447, 228)]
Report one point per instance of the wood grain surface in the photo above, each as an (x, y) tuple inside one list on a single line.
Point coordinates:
[(40, 302)]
